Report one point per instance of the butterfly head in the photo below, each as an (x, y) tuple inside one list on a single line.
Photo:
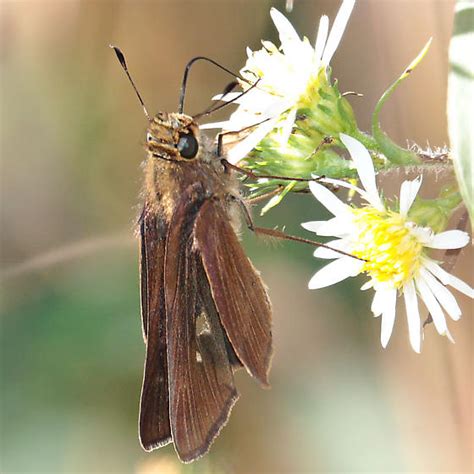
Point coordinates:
[(173, 136)]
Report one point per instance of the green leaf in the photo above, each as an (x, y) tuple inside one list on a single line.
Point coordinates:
[(461, 99), (275, 200), (435, 213)]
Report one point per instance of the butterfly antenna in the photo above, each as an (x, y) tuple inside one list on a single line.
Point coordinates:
[(122, 62), (229, 88), (186, 73)]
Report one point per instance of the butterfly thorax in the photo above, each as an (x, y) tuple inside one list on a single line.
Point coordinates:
[(177, 158)]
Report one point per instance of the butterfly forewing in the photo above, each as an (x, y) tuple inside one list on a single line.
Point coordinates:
[(202, 390), (154, 425)]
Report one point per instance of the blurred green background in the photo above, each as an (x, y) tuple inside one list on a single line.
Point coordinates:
[(71, 345)]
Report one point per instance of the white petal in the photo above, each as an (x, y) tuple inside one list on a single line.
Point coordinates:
[(450, 239), (342, 184), (227, 97), (239, 97), (240, 151), (378, 302), (328, 199), (269, 46), (225, 125), (408, 192), (335, 272), (365, 169), (337, 30), (336, 227), (388, 316), (424, 235), (326, 253), (321, 38), (448, 279), (433, 306), (288, 34), (413, 315), (276, 107), (367, 285), (312, 226), (442, 294)]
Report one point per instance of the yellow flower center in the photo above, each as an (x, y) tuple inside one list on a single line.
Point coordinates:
[(384, 239)]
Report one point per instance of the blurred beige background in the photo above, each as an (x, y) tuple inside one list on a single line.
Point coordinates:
[(71, 145)]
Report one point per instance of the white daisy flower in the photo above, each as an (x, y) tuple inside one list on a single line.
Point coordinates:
[(286, 76), (393, 251)]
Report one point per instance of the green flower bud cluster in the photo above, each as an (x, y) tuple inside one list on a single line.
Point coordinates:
[(313, 146)]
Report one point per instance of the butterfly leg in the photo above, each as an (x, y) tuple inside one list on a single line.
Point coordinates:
[(278, 234), (275, 233), (262, 197), (243, 207), (252, 175), (220, 136)]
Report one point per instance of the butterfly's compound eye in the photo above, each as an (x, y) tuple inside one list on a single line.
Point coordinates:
[(149, 137), (188, 145)]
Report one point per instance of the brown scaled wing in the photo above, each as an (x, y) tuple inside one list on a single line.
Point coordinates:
[(201, 383), (237, 289), (217, 311), (154, 425)]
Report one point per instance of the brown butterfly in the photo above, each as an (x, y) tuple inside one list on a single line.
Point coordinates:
[(205, 310)]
